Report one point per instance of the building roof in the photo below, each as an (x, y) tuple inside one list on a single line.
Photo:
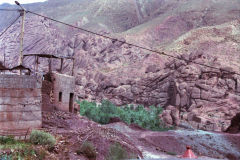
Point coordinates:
[(47, 56), (20, 67), (2, 67)]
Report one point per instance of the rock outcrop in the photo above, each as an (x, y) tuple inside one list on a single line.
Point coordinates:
[(235, 124)]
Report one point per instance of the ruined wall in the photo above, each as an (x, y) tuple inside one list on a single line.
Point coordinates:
[(20, 102), (63, 91), (47, 96)]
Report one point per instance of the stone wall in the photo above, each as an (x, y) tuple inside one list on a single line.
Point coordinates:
[(20, 102), (64, 85)]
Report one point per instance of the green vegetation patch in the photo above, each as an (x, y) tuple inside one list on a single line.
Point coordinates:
[(12, 149), (102, 113), (15, 149), (117, 152), (8, 142), (42, 138), (87, 149)]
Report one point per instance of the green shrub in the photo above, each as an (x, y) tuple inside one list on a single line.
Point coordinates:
[(117, 152), (87, 149), (6, 157), (102, 113), (7, 140), (42, 138), (26, 153), (19, 149)]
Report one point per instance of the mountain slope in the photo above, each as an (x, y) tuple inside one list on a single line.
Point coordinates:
[(174, 18), (194, 31), (110, 15)]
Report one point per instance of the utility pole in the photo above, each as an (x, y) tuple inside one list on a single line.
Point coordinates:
[(37, 64), (22, 13), (61, 67), (4, 56), (50, 65), (73, 61)]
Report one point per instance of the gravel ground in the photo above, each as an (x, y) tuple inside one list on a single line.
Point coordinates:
[(206, 145), (201, 141), (181, 159)]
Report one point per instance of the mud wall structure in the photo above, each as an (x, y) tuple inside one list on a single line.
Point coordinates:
[(63, 91), (47, 96), (20, 102)]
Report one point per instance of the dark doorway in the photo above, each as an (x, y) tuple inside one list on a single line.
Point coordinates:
[(71, 102), (60, 97)]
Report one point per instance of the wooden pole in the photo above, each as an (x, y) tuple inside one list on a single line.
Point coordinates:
[(23, 12), (73, 67), (50, 65), (4, 57), (61, 67), (37, 65)]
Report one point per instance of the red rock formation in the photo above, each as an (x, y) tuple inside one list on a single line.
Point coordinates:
[(235, 124), (205, 98)]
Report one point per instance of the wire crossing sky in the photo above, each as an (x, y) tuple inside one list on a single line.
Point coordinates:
[(114, 39), (21, 1)]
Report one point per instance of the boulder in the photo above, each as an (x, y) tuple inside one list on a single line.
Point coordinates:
[(230, 84), (152, 68), (178, 100), (196, 93), (184, 98), (235, 124), (166, 117), (238, 86), (175, 116)]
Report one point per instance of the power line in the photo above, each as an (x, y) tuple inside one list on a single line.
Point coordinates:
[(113, 39), (124, 42), (1, 9), (9, 26)]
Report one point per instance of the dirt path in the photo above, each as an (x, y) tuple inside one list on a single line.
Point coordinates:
[(172, 144)]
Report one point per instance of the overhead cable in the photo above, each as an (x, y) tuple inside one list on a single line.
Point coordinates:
[(9, 26), (2, 9), (131, 44)]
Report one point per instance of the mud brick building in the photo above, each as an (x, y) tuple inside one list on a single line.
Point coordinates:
[(58, 92), (24, 97), (57, 88), (20, 102), (63, 91)]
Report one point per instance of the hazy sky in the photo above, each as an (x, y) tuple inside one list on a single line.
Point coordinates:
[(20, 1)]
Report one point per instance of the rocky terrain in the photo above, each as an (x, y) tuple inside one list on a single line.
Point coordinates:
[(193, 31), (72, 130)]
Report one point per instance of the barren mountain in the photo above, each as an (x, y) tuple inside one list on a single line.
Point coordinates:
[(195, 31)]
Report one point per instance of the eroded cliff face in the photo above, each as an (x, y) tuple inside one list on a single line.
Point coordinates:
[(204, 97), (191, 94)]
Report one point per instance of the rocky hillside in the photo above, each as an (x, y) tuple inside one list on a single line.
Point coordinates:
[(193, 30), (108, 15)]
